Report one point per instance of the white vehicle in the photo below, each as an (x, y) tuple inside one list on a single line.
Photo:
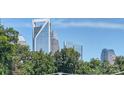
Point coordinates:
[(60, 73)]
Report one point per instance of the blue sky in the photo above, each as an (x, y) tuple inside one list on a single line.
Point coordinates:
[(94, 34)]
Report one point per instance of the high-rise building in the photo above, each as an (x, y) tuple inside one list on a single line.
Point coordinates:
[(78, 48), (43, 37), (108, 55), (21, 40), (54, 43)]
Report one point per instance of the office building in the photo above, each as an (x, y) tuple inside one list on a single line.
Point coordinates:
[(78, 48), (43, 37), (21, 40), (54, 43), (108, 55)]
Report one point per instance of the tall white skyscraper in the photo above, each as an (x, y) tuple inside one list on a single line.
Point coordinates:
[(43, 37)]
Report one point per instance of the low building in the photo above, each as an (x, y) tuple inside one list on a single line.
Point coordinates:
[(21, 40)]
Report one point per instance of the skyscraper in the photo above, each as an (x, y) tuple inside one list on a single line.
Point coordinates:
[(108, 55), (54, 43), (78, 48), (43, 37)]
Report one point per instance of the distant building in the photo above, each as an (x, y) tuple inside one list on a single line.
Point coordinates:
[(54, 43), (78, 48), (21, 40), (43, 37), (108, 55)]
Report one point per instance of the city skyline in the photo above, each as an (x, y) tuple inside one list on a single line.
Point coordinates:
[(94, 34)]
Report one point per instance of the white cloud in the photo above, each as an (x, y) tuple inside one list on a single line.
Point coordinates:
[(90, 24)]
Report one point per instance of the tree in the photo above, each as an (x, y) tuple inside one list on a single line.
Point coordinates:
[(42, 63), (108, 68), (21, 58), (66, 60), (95, 65), (7, 48), (12, 35), (83, 68), (120, 62), (26, 68)]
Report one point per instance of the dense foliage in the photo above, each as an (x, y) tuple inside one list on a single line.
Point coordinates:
[(17, 59)]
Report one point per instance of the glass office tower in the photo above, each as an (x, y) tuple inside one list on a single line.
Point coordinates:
[(108, 55), (78, 48), (41, 35)]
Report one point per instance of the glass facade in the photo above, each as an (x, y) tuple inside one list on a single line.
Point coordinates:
[(78, 48), (43, 38), (54, 43), (108, 55), (41, 35)]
